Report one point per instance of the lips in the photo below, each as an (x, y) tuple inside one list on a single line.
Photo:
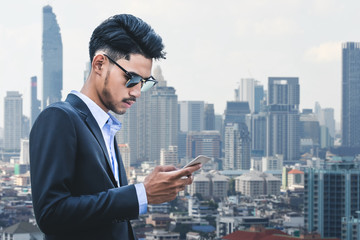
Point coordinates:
[(128, 103)]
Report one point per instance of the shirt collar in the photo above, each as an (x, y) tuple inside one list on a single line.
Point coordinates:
[(100, 115)]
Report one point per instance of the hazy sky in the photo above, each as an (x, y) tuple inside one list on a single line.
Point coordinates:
[(211, 44)]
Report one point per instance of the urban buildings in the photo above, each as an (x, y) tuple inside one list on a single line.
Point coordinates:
[(124, 150), (237, 147), (35, 103), (206, 143), (209, 184), (164, 120), (350, 116), (209, 114), (283, 118), (13, 106), (255, 183), (191, 115), (169, 156), (52, 58), (332, 192)]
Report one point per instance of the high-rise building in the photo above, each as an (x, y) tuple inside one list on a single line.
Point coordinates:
[(258, 96), (13, 106), (350, 94), (237, 147), (191, 116), (35, 103), (206, 143), (25, 128), (24, 152), (258, 134), (52, 57), (163, 121), (247, 92), (310, 128), (283, 118), (331, 193), (236, 112), (169, 156), (124, 150), (209, 114)]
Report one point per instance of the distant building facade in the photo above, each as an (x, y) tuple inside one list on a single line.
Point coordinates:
[(237, 147), (13, 110), (35, 103), (350, 116), (332, 192), (255, 183), (283, 118), (206, 143), (52, 57)]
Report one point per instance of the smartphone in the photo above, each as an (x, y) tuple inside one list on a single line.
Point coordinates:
[(199, 159)]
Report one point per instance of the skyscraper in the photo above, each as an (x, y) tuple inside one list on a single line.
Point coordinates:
[(237, 147), (258, 96), (35, 103), (209, 114), (258, 134), (203, 143), (247, 92), (52, 57), (283, 118), (164, 120), (331, 193), (350, 94), (236, 111), (191, 116), (12, 122)]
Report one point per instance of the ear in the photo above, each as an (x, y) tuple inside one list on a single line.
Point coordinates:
[(97, 64)]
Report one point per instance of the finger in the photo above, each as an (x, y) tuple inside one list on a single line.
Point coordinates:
[(166, 168), (186, 171)]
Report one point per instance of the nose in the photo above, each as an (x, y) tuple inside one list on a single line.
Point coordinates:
[(135, 91)]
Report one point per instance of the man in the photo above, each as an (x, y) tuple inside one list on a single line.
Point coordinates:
[(78, 180)]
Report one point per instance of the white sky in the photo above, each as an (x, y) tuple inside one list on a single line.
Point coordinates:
[(210, 44)]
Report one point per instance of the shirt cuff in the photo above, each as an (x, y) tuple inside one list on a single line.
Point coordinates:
[(141, 195)]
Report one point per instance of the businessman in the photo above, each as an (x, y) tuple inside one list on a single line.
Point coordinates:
[(79, 185)]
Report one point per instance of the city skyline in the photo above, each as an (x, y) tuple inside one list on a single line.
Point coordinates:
[(244, 40)]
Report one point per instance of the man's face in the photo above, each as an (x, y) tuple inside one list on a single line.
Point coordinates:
[(111, 90)]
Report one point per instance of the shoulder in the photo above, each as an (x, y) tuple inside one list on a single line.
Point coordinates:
[(60, 113)]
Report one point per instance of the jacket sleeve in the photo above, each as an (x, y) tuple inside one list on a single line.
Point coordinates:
[(53, 154)]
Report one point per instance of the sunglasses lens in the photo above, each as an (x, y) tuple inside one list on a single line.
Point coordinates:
[(147, 85), (133, 81)]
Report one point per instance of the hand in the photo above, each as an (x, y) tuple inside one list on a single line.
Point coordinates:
[(163, 184)]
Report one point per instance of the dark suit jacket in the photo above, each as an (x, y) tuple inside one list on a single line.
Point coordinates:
[(73, 188)]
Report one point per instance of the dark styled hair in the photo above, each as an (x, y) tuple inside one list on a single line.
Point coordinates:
[(124, 34)]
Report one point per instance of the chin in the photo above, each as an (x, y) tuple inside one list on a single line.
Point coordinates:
[(120, 111)]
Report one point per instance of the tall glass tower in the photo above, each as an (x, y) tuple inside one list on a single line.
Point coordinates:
[(13, 106), (52, 57), (283, 118), (350, 94)]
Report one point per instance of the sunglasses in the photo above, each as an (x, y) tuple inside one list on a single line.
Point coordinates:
[(134, 79)]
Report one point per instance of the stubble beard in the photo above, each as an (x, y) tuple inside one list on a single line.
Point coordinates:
[(106, 96)]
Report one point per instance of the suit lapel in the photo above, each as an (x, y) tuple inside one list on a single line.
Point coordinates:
[(90, 121)]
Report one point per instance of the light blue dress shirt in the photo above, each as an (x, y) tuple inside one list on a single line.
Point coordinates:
[(109, 125)]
